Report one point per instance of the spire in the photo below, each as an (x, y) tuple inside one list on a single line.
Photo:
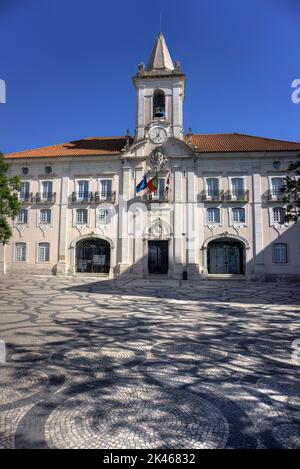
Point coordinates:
[(160, 57)]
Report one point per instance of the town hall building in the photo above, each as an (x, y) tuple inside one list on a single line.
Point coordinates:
[(160, 203)]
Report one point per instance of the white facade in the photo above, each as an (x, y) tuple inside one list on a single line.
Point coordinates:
[(215, 212)]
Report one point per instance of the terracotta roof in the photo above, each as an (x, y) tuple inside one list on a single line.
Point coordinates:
[(239, 143), (205, 143), (85, 147)]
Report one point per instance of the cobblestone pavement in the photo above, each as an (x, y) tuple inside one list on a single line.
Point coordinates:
[(149, 364)]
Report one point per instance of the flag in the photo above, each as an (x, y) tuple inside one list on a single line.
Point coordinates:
[(153, 184), (142, 185), (167, 183)]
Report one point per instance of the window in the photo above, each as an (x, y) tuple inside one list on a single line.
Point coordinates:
[(280, 253), (212, 187), (278, 215), (83, 189), (20, 252), (24, 192), (105, 189), (159, 106), (47, 189), (25, 170), (44, 252), (159, 193), (238, 215), (237, 185), (277, 187), (81, 216), (48, 169), (22, 218), (104, 215), (213, 215), (45, 216)]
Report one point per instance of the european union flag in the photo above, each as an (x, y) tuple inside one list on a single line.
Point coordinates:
[(142, 185)]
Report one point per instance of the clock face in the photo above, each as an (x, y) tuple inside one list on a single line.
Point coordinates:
[(158, 135)]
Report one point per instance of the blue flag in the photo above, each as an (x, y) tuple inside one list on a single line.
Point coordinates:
[(142, 185)]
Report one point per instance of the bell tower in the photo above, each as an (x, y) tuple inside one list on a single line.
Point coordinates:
[(159, 95)]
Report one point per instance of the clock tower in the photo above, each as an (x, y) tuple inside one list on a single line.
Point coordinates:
[(160, 93)]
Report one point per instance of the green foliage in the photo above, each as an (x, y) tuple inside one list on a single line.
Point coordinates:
[(9, 203), (292, 192)]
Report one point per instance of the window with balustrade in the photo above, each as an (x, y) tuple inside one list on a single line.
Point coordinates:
[(105, 189), (277, 184), (212, 187)]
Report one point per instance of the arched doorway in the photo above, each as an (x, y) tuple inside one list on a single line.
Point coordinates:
[(226, 256), (92, 256)]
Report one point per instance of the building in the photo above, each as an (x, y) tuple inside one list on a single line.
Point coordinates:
[(217, 210)]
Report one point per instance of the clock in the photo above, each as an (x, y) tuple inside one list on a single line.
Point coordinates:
[(158, 135)]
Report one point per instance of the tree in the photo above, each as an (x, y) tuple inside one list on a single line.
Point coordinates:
[(9, 203), (292, 192)]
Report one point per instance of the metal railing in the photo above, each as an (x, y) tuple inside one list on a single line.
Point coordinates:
[(214, 196), (47, 198), (237, 196), (92, 198), (26, 198)]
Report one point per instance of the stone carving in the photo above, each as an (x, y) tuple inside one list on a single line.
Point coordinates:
[(43, 229), (20, 229), (158, 159), (81, 228), (158, 230), (213, 226)]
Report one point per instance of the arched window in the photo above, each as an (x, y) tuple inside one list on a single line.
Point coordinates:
[(159, 104)]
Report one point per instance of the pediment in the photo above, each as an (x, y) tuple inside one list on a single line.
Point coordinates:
[(172, 148)]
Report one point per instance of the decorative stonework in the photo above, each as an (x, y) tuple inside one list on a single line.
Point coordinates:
[(20, 229), (81, 228), (238, 226), (158, 159), (213, 226), (44, 229), (159, 229)]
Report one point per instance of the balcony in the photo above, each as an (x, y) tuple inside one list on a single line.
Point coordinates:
[(92, 198), (215, 196), (26, 198), (42, 198), (156, 198), (237, 196), (275, 195)]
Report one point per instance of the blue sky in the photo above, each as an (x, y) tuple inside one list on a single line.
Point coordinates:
[(68, 65)]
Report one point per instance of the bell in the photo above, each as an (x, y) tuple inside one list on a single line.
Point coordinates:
[(159, 112)]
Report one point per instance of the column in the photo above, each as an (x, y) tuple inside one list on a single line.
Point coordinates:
[(123, 221), (138, 225), (63, 227), (2, 259), (258, 255), (191, 227), (178, 224)]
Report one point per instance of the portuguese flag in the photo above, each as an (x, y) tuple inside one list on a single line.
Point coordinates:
[(153, 184)]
